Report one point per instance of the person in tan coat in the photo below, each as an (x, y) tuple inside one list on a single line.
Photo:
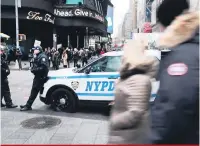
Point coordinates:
[(64, 58), (130, 112)]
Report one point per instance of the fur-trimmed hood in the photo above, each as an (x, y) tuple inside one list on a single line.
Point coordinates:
[(135, 61), (184, 28)]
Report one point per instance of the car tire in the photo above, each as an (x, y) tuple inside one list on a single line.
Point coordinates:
[(72, 100)]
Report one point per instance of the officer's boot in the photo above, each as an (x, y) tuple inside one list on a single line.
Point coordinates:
[(11, 105), (8, 100), (25, 108), (22, 106), (2, 105)]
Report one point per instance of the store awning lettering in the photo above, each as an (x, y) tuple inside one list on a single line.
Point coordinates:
[(78, 12)]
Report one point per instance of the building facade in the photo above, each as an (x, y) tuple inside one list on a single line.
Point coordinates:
[(129, 24), (66, 22)]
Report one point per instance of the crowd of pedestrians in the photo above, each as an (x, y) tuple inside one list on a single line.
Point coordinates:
[(69, 57)]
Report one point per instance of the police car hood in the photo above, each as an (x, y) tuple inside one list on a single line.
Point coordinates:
[(182, 29), (61, 72)]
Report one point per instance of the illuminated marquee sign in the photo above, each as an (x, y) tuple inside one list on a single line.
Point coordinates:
[(78, 12), (40, 17)]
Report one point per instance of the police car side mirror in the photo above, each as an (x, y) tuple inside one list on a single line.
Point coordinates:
[(87, 70)]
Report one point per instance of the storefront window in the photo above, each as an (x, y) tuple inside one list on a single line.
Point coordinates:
[(74, 1)]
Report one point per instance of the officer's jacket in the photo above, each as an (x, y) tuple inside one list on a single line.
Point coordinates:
[(175, 112), (40, 65), (5, 71)]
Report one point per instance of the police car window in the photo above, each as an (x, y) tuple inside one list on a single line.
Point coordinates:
[(100, 65), (107, 64), (113, 64)]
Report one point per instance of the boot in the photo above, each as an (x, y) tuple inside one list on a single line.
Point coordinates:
[(3, 105), (25, 108), (11, 105), (22, 106)]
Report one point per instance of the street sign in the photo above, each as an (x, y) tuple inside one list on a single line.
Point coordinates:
[(37, 43), (22, 37)]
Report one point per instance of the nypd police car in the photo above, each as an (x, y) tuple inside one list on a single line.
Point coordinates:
[(93, 82)]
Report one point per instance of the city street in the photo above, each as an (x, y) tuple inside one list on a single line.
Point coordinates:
[(88, 126)]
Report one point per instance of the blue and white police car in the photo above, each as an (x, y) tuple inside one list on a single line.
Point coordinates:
[(93, 82)]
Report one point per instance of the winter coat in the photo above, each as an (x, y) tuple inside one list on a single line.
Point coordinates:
[(175, 112), (76, 55), (102, 52), (5, 70), (129, 121), (65, 58)]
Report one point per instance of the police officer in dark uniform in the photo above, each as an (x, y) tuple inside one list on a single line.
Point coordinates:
[(175, 111), (5, 90), (40, 69)]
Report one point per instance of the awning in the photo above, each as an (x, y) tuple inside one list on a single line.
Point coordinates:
[(2, 35)]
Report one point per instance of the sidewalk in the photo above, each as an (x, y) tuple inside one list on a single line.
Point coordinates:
[(26, 66), (88, 125)]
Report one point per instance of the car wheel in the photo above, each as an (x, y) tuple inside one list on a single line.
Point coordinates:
[(64, 100)]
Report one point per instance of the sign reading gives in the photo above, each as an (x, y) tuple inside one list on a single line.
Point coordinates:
[(40, 17), (78, 12)]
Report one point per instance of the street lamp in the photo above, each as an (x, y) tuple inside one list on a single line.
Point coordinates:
[(17, 4)]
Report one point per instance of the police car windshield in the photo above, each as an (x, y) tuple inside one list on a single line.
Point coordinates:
[(93, 59), (104, 64)]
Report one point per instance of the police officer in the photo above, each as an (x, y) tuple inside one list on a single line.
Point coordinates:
[(175, 111), (5, 90), (40, 69)]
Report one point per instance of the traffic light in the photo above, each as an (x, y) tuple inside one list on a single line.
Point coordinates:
[(22, 37)]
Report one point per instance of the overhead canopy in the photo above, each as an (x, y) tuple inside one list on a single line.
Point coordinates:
[(2, 35)]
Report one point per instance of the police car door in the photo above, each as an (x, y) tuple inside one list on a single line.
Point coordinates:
[(98, 84)]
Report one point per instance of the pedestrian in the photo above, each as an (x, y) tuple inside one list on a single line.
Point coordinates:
[(49, 56), (19, 58), (64, 58), (84, 58), (102, 52), (56, 60), (52, 56), (75, 57), (69, 57), (30, 57), (40, 70), (175, 111), (89, 53), (129, 121), (48, 53), (5, 89)]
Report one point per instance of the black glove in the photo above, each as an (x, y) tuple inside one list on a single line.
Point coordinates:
[(33, 70), (7, 72)]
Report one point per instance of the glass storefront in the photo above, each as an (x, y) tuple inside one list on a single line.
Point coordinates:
[(74, 1)]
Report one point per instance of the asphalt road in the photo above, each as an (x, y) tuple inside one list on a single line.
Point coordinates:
[(88, 126)]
